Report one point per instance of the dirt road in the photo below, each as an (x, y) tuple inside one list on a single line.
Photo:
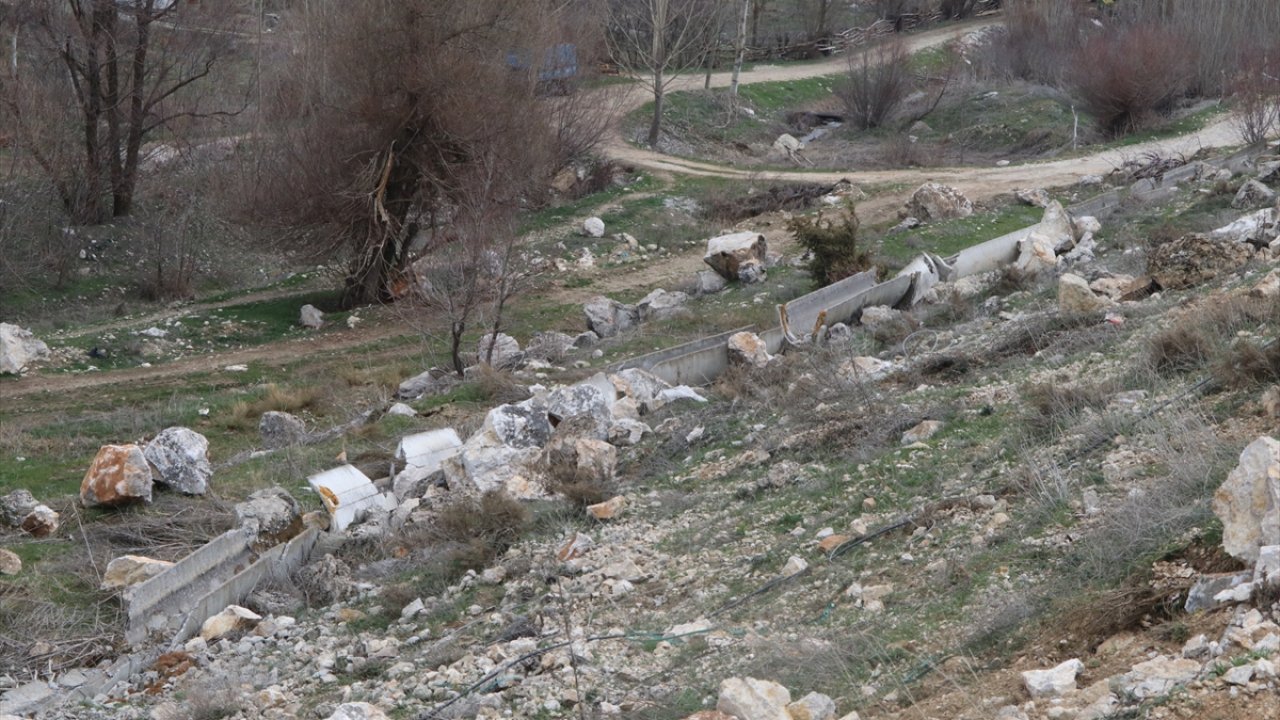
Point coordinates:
[(978, 183)]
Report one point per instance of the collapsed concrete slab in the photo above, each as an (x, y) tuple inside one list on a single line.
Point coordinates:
[(346, 492), (423, 455)]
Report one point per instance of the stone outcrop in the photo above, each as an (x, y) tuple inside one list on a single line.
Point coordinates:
[(1253, 194), (180, 458), (739, 256), (119, 475), (19, 348), (1248, 502)]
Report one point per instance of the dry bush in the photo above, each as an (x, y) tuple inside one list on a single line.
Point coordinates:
[(485, 527), (730, 204), (1196, 337), (1053, 408), (498, 387), (1128, 78), (1040, 43), (1255, 91), (877, 82), (244, 414), (1246, 364)]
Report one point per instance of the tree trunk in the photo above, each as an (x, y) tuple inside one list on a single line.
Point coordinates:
[(122, 193), (455, 346), (739, 48), (659, 93)]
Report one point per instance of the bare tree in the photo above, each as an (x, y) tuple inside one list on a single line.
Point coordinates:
[(412, 119), (660, 39), (739, 47), (111, 73)]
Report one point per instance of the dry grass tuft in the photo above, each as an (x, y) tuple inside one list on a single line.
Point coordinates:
[(244, 414)]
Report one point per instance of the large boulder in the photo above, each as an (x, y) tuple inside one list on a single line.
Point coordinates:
[(739, 256), (581, 460), (593, 227), (128, 570), (272, 514), (1056, 228), (310, 317), (180, 458), (582, 399), (1250, 228), (814, 706), (642, 387), (549, 346), (607, 317), (748, 349), (1248, 502), (934, 201), (119, 475), (519, 425), (1195, 259), (19, 348), (662, 305), (506, 351), (424, 383), (752, 699), (500, 455), (1075, 297), (1253, 194), (281, 430)]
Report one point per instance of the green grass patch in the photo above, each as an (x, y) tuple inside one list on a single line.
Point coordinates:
[(951, 236)]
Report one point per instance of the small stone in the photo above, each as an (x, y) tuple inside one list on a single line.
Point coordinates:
[(921, 432), (10, 563), (814, 706), (401, 410), (593, 227), (831, 542), (1053, 682), (1076, 298), (795, 564), (357, 711), (1240, 675), (608, 509), (752, 699), (233, 619), (576, 547)]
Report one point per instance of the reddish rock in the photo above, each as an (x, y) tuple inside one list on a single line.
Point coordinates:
[(119, 475), (42, 521), (608, 509), (831, 542)]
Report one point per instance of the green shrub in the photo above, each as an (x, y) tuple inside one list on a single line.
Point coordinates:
[(833, 246)]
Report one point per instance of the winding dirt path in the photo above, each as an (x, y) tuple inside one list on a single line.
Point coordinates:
[(979, 183)]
